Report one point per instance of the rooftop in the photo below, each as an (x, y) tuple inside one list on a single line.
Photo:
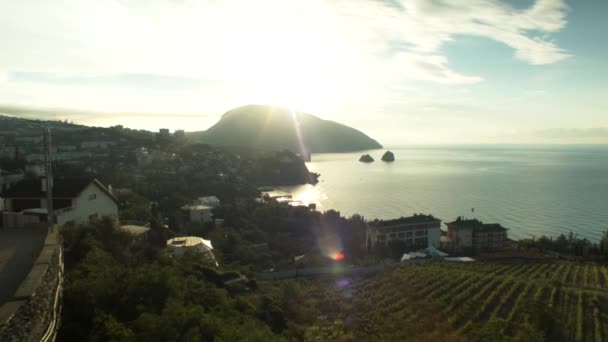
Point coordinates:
[(416, 218), (492, 227), (462, 223), (190, 241), (208, 200), (196, 207), (135, 230), (62, 188)]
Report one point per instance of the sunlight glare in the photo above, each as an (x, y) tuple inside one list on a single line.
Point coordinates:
[(283, 60)]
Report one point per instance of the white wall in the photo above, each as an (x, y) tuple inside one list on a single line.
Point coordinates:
[(85, 206), (434, 237), (200, 215)]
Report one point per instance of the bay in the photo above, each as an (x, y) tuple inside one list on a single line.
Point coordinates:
[(533, 190)]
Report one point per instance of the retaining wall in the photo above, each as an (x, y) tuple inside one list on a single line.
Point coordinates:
[(34, 311)]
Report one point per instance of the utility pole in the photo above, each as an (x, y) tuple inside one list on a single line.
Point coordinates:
[(48, 161)]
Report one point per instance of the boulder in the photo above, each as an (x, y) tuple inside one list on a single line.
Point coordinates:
[(388, 156), (366, 158)]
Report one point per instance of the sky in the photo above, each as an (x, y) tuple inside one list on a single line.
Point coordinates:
[(404, 72)]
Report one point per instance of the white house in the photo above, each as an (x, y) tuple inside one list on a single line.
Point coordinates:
[(200, 211), (419, 231), (139, 232), (211, 201), (77, 200), (196, 213), (180, 245)]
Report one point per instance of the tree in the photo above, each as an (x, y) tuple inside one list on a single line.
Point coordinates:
[(158, 234), (381, 250), (397, 248), (107, 328), (604, 244)]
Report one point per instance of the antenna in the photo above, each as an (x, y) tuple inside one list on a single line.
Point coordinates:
[(48, 167)]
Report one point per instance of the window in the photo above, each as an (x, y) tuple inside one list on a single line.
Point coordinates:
[(92, 197), (401, 235), (381, 238), (421, 233), (421, 242)]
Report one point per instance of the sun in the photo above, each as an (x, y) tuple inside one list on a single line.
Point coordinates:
[(292, 61)]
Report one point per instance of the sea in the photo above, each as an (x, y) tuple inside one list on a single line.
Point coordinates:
[(532, 190)]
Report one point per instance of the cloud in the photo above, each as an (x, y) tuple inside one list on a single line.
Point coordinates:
[(574, 133), (74, 53), (436, 22), (141, 120), (124, 79)]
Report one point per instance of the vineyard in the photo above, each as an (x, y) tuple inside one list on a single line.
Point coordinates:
[(456, 301)]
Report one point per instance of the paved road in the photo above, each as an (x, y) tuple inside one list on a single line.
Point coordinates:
[(19, 248)]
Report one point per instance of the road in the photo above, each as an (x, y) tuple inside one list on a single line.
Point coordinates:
[(19, 248), (336, 270)]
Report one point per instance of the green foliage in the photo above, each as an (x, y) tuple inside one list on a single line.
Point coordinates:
[(116, 290), (397, 248), (570, 245), (107, 328), (134, 207)]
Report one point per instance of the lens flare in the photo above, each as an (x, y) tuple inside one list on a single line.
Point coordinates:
[(338, 256), (342, 283), (330, 245), (303, 145)]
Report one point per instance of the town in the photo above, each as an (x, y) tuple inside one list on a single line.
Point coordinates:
[(142, 197), (120, 173)]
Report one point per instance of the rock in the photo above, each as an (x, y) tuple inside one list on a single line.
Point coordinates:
[(366, 158), (388, 156)]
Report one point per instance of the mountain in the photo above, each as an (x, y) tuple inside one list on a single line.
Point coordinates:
[(277, 128)]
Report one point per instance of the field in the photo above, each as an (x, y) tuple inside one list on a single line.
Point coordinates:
[(463, 301)]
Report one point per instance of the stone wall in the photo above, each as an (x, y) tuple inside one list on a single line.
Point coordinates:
[(35, 307)]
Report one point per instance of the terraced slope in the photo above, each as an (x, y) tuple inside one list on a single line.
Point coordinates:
[(523, 301)]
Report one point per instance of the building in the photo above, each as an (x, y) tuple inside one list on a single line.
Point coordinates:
[(71, 155), (164, 132), (180, 134), (180, 245), (77, 200), (200, 211), (418, 231), (34, 157), (9, 152), (211, 201), (472, 234), (145, 156), (30, 140), (8, 179), (196, 213), (96, 144), (139, 232), (68, 148)]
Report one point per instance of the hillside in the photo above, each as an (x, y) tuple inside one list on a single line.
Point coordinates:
[(77, 148), (480, 301), (275, 128)]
